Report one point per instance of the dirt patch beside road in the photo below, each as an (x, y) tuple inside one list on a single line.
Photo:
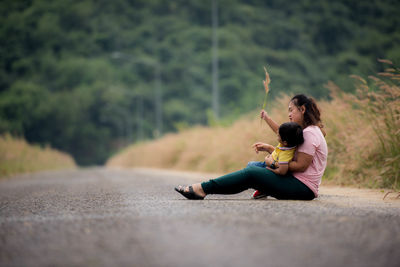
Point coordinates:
[(376, 196)]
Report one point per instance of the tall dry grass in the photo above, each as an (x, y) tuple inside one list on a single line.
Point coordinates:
[(378, 101), (216, 149), (362, 135), (17, 156)]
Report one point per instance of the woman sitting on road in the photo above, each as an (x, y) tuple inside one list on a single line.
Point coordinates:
[(290, 136), (305, 171)]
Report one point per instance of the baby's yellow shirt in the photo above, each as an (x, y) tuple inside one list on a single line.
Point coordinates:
[(283, 154)]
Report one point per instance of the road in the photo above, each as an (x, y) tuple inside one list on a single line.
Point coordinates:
[(110, 217)]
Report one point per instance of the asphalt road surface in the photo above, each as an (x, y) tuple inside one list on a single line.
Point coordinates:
[(108, 217)]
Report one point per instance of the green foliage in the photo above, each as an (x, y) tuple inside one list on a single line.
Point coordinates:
[(62, 82)]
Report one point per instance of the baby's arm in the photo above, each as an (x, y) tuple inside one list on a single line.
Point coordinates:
[(269, 160), (263, 147)]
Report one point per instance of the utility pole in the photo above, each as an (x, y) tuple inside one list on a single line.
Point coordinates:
[(158, 100), (215, 90), (139, 118)]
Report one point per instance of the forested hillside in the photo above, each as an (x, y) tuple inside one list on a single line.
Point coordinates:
[(88, 77)]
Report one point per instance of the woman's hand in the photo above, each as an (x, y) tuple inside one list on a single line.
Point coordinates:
[(281, 170), (274, 126), (263, 147), (263, 115)]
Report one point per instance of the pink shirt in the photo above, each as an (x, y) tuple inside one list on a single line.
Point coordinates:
[(314, 145)]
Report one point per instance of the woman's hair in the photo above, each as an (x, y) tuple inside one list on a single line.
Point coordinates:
[(292, 133), (312, 114)]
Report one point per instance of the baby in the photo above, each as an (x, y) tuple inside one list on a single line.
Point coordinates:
[(290, 135)]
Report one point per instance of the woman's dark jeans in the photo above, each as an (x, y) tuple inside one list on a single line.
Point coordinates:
[(278, 186)]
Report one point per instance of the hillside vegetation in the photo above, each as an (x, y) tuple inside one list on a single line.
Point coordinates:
[(89, 77), (363, 136), (17, 156)]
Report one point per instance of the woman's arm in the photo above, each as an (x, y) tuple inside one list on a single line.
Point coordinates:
[(271, 123), (281, 170), (302, 162)]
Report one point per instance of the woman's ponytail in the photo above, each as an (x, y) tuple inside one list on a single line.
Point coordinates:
[(312, 114)]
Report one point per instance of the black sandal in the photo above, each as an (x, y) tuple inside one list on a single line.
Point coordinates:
[(189, 195)]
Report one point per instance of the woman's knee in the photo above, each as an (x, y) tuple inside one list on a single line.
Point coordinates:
[(249, 168), (252, 172), (255, 170)]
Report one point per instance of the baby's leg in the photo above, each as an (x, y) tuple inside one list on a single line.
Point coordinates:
[(256, 164)]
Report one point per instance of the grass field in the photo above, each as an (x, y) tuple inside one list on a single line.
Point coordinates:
[(17, 156), (363, 136)]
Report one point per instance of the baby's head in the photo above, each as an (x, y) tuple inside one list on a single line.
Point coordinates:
[(291, 134)]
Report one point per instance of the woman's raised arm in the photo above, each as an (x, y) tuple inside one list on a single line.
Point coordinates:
[(271, 123)]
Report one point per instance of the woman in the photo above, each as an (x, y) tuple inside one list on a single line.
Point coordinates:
[(306, 169)]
